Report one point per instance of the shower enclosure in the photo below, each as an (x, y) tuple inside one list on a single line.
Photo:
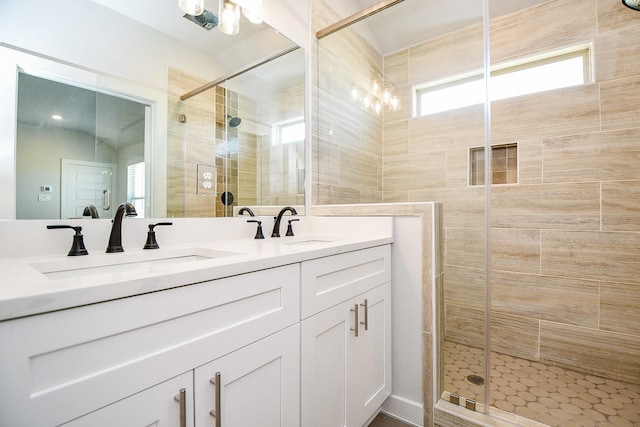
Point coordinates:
[(239, 142), (538, 316)]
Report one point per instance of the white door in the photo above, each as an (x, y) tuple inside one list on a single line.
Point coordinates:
[(85, 183), (160, 405), (258, 385)]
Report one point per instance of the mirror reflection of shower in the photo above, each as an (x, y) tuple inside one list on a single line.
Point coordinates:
[(234, 122)]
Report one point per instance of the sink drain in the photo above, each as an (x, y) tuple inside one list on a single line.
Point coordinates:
[(475, 379)]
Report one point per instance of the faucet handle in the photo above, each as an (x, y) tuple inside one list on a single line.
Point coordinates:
[(151, 236), (259, 234), (77, 247), (290, 228)]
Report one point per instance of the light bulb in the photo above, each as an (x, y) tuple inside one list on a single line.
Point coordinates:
[(192, 7), (354, 94), (386, 97), (377, 107), (394, 103), (366, 101), (229, 17), (375, 87)]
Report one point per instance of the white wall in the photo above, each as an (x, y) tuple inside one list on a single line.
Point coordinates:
[(406, 401), (40, 165)]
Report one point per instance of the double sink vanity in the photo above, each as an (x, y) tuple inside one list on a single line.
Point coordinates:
[(221, 331)]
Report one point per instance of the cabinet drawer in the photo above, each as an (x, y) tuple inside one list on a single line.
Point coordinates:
[(331, 280), (61, 365)]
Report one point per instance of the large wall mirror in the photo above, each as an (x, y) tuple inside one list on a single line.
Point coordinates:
[(100, 114)]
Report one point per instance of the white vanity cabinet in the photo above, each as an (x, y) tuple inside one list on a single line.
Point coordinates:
[(258, 385), (272, 348), (58, 366), (346, 337)]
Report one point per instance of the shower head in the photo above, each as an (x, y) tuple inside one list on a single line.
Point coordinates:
[(234, 122), (632, 4)]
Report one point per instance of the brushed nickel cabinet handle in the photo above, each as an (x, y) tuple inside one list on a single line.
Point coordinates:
[(366, 315), (182, 399), (357, 322), (216, 412)]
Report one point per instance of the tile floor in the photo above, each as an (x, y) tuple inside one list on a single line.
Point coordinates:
[(551, 395), (383, 420)]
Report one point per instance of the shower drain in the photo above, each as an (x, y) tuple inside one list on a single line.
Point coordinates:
[(475, 379)]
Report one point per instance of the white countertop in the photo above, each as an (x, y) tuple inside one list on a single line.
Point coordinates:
[(26, 291)]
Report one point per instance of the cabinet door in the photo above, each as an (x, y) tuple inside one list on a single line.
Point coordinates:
[(160, 405), (325, 346), (346, 378), (370, 356), (258, 385)]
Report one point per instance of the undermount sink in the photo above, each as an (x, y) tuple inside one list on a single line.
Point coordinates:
[(122, 262)]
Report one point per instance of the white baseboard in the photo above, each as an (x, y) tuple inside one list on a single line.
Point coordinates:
[(404, 409)]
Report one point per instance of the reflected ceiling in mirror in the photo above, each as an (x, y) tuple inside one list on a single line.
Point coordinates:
[(253, 42)]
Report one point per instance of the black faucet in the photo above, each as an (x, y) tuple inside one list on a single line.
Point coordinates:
[(115, 239), (247, 210), (276, 224), (91, 211)]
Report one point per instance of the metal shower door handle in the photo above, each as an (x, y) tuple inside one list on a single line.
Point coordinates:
[(106, 199)]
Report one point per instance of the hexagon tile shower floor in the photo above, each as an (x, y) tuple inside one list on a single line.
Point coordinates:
[(551, 395)]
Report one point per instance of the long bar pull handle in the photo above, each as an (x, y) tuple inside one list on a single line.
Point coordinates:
[(182, 399), (216, 412), (106, 199), (357, 322), (366, 315)]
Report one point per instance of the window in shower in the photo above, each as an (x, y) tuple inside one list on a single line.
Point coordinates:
[(504, 164), (555, 70), (289, 131)]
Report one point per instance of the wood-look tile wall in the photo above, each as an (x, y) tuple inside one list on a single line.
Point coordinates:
[(347, 149), (189, 144), (281, 167), (565, 251), (247, 163), (201, 141)]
